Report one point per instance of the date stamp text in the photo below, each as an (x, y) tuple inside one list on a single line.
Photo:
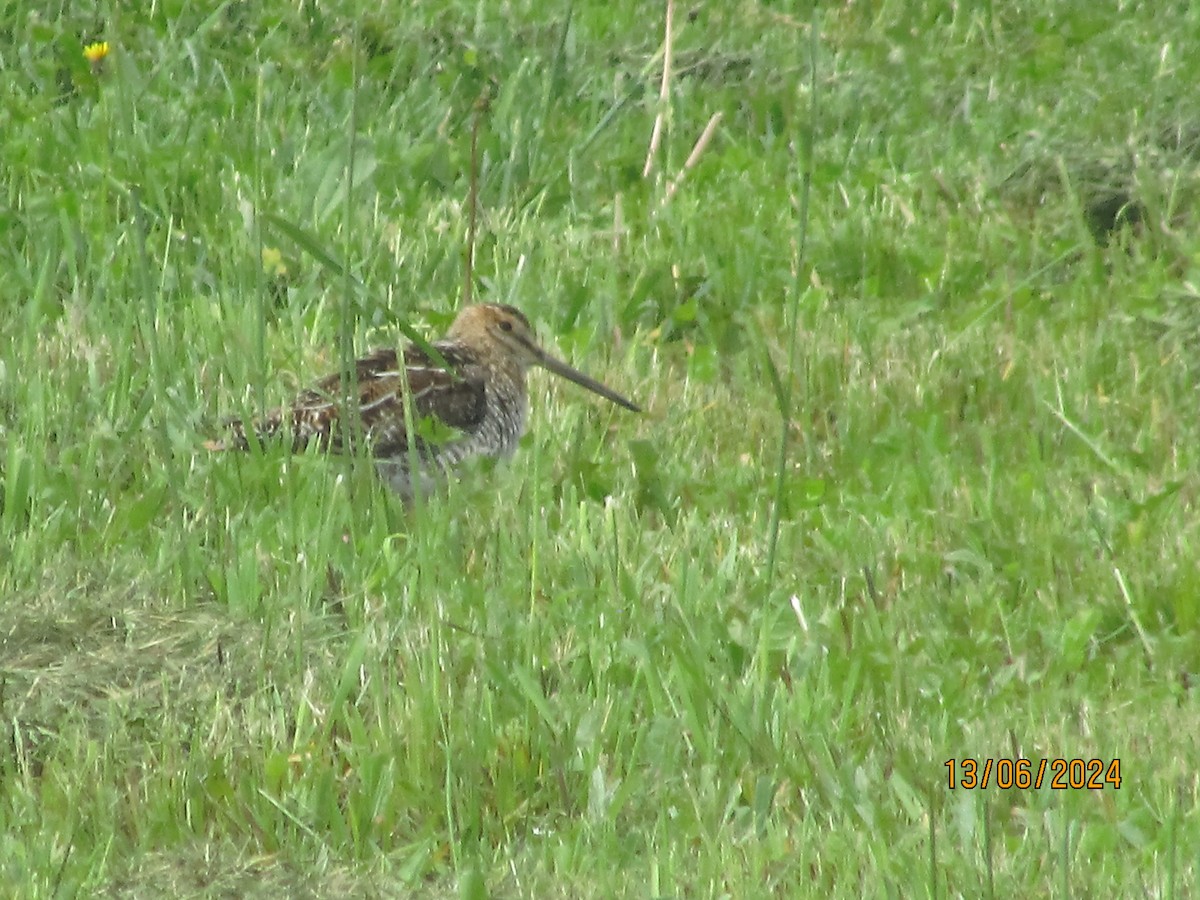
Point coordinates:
[(1059, 774)]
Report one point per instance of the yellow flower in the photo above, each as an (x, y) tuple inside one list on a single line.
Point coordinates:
[(95, 53), (273, 263)]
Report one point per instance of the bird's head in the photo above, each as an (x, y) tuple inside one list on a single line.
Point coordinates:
[(503, 331)]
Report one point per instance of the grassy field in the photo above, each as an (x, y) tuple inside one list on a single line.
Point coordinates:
[(916, 335)]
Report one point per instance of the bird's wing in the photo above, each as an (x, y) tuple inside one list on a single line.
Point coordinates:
[(444, 403)]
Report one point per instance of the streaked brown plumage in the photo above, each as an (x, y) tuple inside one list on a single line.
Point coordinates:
[(476, 406)]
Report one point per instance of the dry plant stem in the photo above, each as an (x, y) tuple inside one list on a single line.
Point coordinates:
[(694, 156), (481, 108), (664, 91), (473, 207)]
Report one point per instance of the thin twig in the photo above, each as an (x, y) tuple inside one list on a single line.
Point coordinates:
[(664, 90), (694, 157)]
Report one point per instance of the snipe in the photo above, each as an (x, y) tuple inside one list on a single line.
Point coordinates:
[(476, 406)]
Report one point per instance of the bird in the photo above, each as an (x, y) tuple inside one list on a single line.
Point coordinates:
[(419, 417)]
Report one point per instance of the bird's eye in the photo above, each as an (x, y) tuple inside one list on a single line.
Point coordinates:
[(505, 325)]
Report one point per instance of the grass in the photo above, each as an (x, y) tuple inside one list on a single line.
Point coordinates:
[(596, 671)]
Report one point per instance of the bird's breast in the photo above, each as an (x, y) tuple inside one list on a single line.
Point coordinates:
[(506, 417)]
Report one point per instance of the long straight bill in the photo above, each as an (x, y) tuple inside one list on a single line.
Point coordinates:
[(558, 367)]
